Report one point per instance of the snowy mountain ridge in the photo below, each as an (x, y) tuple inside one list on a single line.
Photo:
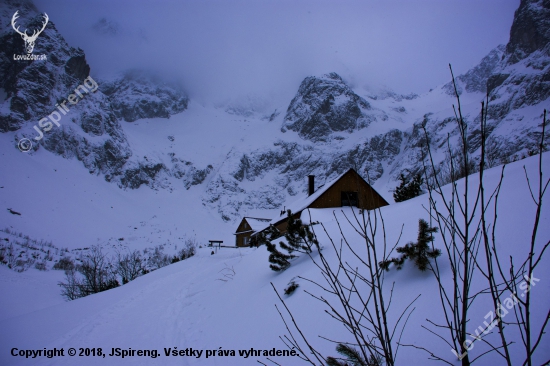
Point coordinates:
[(254, 166)]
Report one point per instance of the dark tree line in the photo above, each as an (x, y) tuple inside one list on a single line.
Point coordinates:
[(409, 187)]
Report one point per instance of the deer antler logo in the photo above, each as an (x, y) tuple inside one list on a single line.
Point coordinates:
[(29, 40)]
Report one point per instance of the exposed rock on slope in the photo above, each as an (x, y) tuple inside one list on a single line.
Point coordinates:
[(475, 80), (290, 163), (328, 126), (520, 85), (33, 87), (325, 105), (139, 95), (530, 30), (91, 131)]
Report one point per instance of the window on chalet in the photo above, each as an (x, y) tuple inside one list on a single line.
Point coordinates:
[(350, 199)]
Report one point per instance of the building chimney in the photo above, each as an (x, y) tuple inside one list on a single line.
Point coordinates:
[(311, 184)]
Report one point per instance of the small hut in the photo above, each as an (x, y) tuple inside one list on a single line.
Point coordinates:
[(247, 227)]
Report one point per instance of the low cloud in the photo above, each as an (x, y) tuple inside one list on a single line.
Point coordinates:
[(225, 49)]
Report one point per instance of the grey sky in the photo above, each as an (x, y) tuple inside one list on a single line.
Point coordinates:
[(220, 49)]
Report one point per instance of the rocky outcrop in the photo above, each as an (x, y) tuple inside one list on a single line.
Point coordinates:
[(337, 127), (34, 87), (91, 130), (324, 105), (530, 30), (516, 79), (476, 79), (138, 95), (290, 163)]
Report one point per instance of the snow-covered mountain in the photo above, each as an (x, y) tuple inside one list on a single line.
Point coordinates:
[(327, 127), (91, 130), (326, 105), (262, 157), (137, 95), (138, 163)]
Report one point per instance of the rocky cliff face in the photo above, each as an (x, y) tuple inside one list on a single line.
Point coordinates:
[(91, 130), (475, 80), (325, 105), (33, 86), (283, 167), (519, 87), (138, 95), (530, 30)]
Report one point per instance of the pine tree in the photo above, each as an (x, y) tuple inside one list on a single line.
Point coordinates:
[(279, 261), (419, 252), (353, 357), (298, 236), (408, 188), (299, 239)]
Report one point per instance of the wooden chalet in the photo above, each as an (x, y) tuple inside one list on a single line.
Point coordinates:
[(247, 227), (348, 189)]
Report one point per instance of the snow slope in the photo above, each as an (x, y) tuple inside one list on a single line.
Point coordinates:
[(61, 202), (226, 300)]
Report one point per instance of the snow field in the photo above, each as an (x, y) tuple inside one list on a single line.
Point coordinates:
[(226, 299)]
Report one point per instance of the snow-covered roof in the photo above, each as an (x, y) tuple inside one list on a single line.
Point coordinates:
[(302, 203), (256, 223)]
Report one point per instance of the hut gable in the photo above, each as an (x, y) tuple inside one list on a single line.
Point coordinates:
[(247, 227), (350, 189)]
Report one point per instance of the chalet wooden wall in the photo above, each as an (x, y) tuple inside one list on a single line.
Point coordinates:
[(240, 239), (247, 231), (351, 182)]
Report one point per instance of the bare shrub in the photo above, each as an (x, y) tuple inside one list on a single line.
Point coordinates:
[(9, 256), (96, 274), (158, 259), (129, 266), (21, 265), (65, 263), (189, 249), (72, 288), (353, 295), (466, 216), (41, 266)]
